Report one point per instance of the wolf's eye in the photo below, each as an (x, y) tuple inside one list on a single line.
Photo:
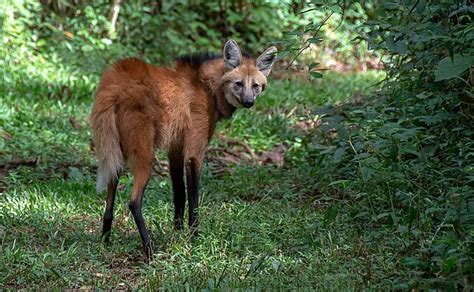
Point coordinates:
[(239, 83), (255, 85)]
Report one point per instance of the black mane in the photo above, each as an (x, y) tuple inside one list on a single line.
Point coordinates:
[(195, 60)]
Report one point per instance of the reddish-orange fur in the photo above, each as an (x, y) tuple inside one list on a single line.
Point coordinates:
[(159, 107), (140, 107)]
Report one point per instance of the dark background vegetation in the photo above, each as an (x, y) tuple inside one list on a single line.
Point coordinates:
[(356, 180)]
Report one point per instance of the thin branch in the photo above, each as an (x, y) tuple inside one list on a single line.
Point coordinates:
[(311, 9), (314, 35), (413, 8)]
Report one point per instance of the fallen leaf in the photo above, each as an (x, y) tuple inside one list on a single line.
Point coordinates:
[(6, 136), (68, 34), (75, 124), (275, 156)]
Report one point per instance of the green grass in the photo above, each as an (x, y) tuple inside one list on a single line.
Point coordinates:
[(262, 226)]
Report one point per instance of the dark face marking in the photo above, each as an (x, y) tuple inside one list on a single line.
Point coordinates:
[(246, 90)]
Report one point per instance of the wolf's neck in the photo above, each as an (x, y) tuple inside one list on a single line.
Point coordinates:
[(224, 109), (211, 74)]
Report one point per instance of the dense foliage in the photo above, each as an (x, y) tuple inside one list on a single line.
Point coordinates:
[(407, 154), (161, 30)]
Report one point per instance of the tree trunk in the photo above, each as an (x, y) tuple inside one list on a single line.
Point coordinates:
[(113, 15)]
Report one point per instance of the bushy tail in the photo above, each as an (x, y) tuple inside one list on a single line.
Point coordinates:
[(106, 138)]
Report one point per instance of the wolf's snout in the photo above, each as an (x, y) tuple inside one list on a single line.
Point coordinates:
[(247, 103), (247, 98)]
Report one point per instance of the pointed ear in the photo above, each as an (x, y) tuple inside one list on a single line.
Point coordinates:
[(232, 55), (266, 59)]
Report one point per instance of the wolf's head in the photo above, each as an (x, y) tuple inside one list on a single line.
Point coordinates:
[(244, 78)]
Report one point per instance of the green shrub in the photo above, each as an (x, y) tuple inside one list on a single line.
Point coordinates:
[(406, 156)]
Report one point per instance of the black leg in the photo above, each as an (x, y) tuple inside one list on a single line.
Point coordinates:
[(136, 209), (179, 191), (109, 210), (193, 169)]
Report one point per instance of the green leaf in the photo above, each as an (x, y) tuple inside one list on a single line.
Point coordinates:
[(398, 47), (448, 69), (316, 75), (325, 110), (293, 32), (335, 9), (312, 66), (339, 153), (361, 156), (341, 181), (366, 173), (315, 40), (331, 214), (87, 48), (450, 263), (282, 55), (401, 48), (390, 43), (41, 43)]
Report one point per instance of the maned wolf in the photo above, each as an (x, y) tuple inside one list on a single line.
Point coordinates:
[(140, 107)]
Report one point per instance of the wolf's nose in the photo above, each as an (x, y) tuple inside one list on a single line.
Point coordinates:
[(247, 104)]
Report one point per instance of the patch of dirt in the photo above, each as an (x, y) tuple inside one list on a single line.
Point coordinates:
[(235, 152), (122, 264), (231, 152)]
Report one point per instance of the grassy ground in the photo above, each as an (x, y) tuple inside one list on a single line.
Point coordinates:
[(262, 226)]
